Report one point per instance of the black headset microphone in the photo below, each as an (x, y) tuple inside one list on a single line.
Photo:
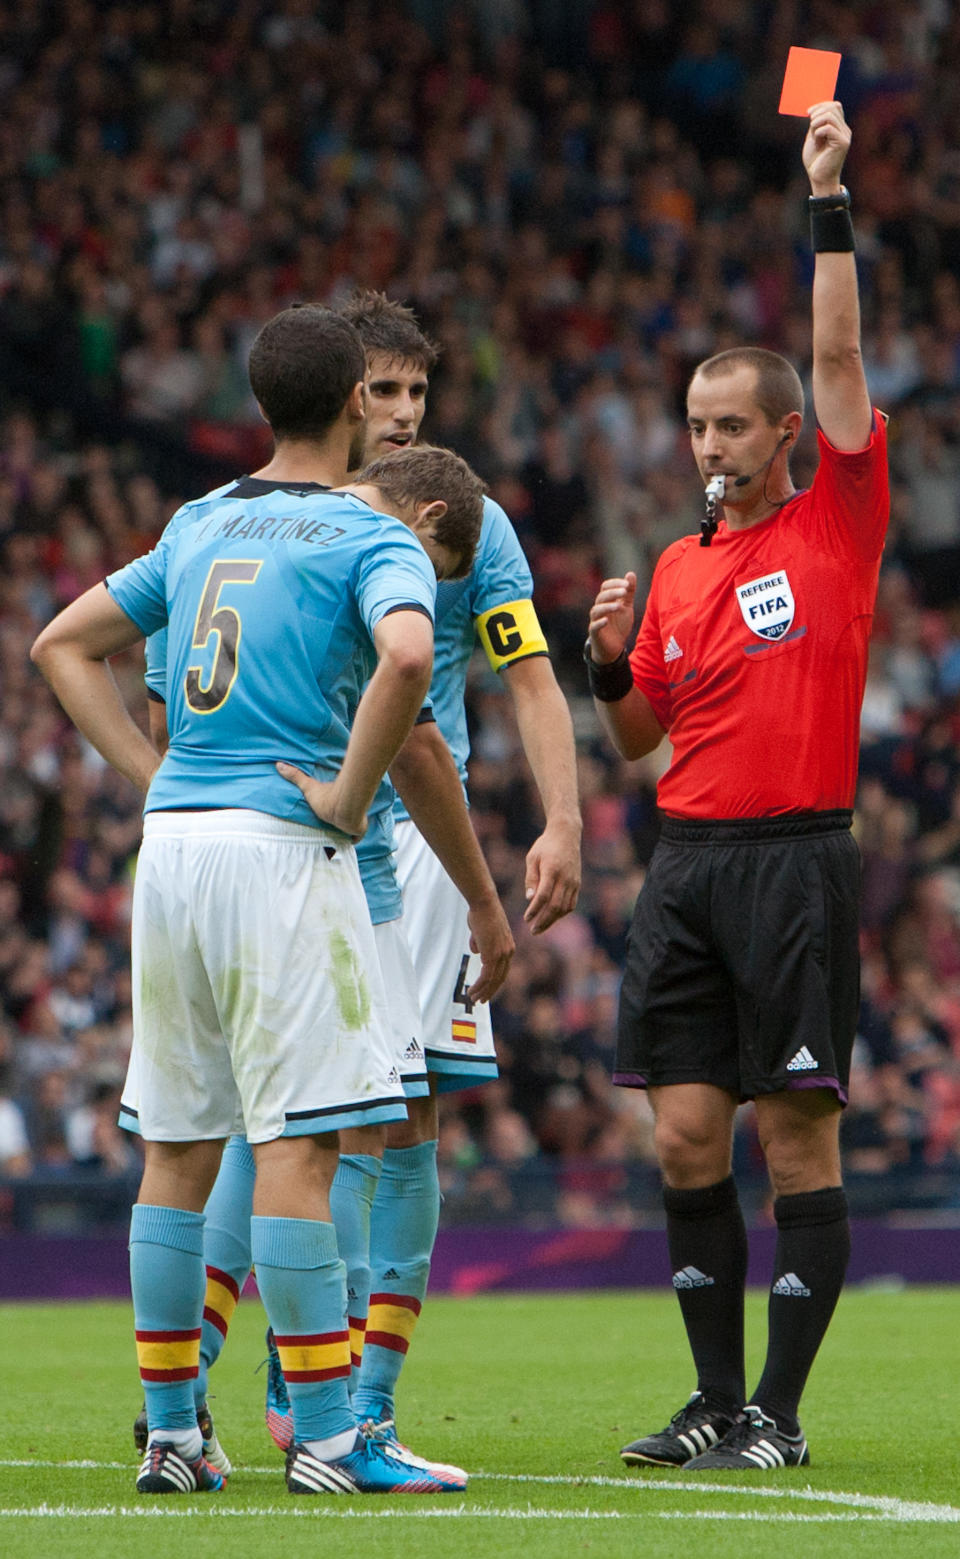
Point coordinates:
[(743, 481), (714, 493)]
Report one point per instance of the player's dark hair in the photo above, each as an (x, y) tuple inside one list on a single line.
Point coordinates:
[(303, 365), (424, 473), (778, 388), (392, 328)]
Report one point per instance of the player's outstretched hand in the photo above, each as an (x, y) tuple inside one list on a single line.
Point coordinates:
[(826, 146), (491, 937), (553, 876), (324, 798), (611, 617)]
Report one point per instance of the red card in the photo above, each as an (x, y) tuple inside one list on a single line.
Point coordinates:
[(810, 77)]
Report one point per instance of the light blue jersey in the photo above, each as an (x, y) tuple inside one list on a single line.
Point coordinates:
[(253, 565), (492, 604)]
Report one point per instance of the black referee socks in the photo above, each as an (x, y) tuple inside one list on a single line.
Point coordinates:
[(813, 1248), (708, 1253)]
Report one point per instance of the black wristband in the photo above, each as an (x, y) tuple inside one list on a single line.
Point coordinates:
[(831, 227), (611, 681), (839, 200)]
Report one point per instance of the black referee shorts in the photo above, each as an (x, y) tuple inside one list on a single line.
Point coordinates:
[(743, 965)]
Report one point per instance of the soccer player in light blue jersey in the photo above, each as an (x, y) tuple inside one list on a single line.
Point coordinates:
[(258, 1002), (492, 605), (406, 484), (387, 1207)]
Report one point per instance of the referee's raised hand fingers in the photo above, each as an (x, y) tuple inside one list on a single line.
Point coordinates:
[(613, 592)]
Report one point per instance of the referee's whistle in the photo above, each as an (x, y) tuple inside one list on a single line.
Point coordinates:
[(716, 487)]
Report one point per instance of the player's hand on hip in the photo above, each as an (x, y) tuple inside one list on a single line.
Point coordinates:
[(326, 801), (826, 146), (552, 877), (491, 937), (611, 617)]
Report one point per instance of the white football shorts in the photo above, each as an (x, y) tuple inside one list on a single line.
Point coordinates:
[(258, 1002), (457, 1033), (403, 1006)]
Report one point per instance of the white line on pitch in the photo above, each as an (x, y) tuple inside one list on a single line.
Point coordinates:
[(218, 1512), (884, 1505)]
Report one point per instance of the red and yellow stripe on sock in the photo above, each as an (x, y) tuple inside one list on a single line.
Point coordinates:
[(220, 1300), (315, 1356), (358, 1329), (392, 1319), (164, 1357)]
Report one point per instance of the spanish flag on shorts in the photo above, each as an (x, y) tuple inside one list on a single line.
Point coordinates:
[(465, 1030)]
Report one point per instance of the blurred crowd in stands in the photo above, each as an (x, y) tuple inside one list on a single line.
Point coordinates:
[(581, 200)]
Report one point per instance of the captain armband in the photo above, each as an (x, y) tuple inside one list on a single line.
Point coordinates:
[(510, 632)]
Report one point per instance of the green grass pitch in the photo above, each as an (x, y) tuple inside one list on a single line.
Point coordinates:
[(534, 1395)]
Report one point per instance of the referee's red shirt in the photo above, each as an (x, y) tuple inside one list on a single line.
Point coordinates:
[(753, 651)]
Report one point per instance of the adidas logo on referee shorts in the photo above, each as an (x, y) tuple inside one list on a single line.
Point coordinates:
[(803, 1061)]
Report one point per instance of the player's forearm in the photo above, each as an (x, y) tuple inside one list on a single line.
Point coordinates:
[(157, 721), (546, 734), (385, 715), (89, 694), (426, 778)]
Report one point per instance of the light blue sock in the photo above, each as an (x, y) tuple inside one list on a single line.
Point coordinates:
[(226, 1251), (403, 1228), (167, 1283), (303, 1285), (351, 1202)]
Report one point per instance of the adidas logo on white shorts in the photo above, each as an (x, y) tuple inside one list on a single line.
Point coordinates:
[(803, 1061), (691, 1277), (791, 1287), (413, 1051)]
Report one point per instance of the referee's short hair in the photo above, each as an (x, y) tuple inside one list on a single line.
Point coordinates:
[(390, 328), (303, 365), (778, 388), (422, 474)]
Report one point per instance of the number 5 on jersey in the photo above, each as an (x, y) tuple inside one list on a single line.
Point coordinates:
[(224, 621)]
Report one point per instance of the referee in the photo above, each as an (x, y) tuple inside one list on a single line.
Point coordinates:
[(742, 971)]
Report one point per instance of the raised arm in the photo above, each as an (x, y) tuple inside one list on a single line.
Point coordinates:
[(840, 397)]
